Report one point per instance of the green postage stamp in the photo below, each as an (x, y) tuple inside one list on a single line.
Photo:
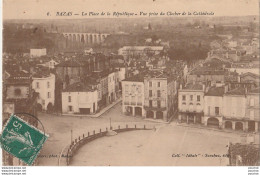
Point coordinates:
[(22, 140)]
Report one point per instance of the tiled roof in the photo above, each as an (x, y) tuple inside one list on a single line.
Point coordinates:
[(79, 87), (215, 91), (249, 74), (192, 86), (237, 91), (136, 78), (256, 90)]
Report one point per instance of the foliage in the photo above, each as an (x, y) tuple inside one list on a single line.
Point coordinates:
[(249, 154)]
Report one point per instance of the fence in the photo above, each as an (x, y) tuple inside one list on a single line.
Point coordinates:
[(70, 150)]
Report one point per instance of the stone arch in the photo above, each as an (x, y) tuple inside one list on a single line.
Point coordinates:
[(90, 38), (82, 40), (103, 37), (98, 38), (86, 38), (39, 107), (94, 38), (212, 121), (149, 114), (74, 37), (228, 125), (50, 107), (159, 115), (138, 111), (70, 37), (78, 37), (239, 126)]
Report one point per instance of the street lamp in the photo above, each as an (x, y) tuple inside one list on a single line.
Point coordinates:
[(110, 123)]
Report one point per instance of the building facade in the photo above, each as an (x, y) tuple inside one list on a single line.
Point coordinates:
[(45, 86), (160, 96), (191, 103), (213, 106), (80, 98), (133, 96), (252, 110)]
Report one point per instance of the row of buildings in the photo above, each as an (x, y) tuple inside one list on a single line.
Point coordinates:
[(220, 106)]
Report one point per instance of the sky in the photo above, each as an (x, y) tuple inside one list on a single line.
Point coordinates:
[(38, 9)]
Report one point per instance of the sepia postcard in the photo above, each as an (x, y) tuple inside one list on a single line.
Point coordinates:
[(130, 83)]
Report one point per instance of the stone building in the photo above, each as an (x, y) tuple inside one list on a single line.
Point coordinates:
[(191, 103), (133, 96), (80, 98), (160, 95)]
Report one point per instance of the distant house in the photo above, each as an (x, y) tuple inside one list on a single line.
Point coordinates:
[(79, 98), (38, 52), (131, 51), (249, 77)]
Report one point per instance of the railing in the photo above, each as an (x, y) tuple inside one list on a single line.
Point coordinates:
[(69, 150)]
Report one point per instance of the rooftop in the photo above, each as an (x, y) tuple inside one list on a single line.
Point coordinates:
[(216, 91), (237, 91), (191, 86), (256, 90), (136, 78), (79, 87)]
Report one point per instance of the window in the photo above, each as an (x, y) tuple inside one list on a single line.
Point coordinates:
[(159, 104), (252, 102), (37, 85), (208, 110), (49, 95), (48, 84), (183, 97), (70, 108), (17, 92), (139, 88), (150, 84), (217, 110), (159, 84), (150, 103), (150, 93), (191, 97), (198, 97), (158, 93), (252, 114), (69, 98)]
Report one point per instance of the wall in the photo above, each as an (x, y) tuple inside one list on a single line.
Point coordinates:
[(132, 95), (212, 102), (188, 104), (234, 106), (44, 89), (79, 100), (252, 108)]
